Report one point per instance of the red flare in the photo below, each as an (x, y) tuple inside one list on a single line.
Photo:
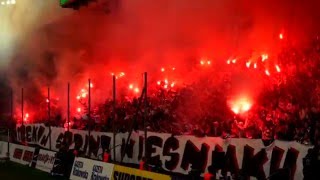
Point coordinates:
[(136, 90), (122, 74), (281, 36), (264, 57), (267, 72), (278, 68), (248, 64)]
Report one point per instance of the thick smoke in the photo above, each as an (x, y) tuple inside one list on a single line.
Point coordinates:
[(52, 46)]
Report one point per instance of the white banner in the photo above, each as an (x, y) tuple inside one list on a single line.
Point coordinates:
[(90, 170), (45, 160), (179, 153), (21, 154)]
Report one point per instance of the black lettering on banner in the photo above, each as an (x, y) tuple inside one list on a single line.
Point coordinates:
[(171, 144), (78, 164), (28, 134), (45, 138), (86, 142), (125, 176), (78, 141), (218, 158), (192, 155), (59, 141), (82, 174), (17, 154), (45, 158), (115, 175), (34, 134), (231, 162), (129, 150), (291, 161), (252, 165), (94, 145), (153, 141), (105, 142), (227, 162), (41, 132), (276, 156), (97, 169)]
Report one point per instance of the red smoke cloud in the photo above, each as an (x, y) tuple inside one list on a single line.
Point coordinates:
[(143, 35)]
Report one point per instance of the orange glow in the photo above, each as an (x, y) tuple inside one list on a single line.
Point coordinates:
[(248, 64), (166, 81), (172, 84), (281, 36), (173, 68), (78, 97), (234, 61), (255, 65), (267, 72), (236, 110), (83, 95), (136, 90), (208, 62), (228, 62), (278, 68), (202, 62), (264, 57), (47, 100), (162, 69), (131, 86), (158, 82), (122, 74), (241, 105), (79, 109), (27, 115)]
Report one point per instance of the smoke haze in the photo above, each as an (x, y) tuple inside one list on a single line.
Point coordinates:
[(44, 45)]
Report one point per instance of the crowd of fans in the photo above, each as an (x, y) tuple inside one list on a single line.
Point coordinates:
[(287, 108)]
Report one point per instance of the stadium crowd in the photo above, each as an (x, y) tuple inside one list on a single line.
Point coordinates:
[(287, 108)]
